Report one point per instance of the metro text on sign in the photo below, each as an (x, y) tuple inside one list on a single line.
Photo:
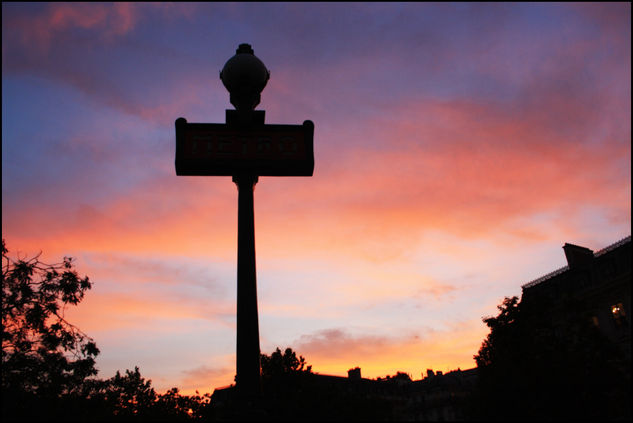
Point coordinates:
[(264, 150)]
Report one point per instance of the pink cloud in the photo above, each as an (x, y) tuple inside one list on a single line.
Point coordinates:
[(334, 351), (169, 214), (116, 19), (131, 311), (460, 167), (613, 18), (339, 344), (39, 31), (36, 43)]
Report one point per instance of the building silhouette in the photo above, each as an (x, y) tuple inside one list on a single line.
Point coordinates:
[(314, 396), (596, 284)]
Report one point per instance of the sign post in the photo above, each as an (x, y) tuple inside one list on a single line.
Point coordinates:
[(245, 148)]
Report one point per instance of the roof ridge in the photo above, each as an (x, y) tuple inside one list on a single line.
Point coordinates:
[(565, 268), (545, 277), (612, 246)]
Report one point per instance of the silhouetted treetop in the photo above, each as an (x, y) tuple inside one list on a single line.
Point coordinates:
[(43, 353), (536, 367), (48, 363), (278, 364)]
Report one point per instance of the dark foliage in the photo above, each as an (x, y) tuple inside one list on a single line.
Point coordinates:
[(293, 393), (278, 364), (532, 367), (43, 354), (399, 376), (48, 364), (130, 397)]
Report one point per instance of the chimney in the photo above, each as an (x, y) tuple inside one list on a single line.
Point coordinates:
[(577, 256), (354, 374)]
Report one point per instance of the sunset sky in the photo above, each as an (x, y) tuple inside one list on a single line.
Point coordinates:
[(457, 148)]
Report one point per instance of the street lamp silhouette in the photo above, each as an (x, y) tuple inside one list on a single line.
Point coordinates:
[(244, 76), (245, 148)]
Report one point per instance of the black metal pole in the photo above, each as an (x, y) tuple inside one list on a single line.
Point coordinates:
[(248, 379)]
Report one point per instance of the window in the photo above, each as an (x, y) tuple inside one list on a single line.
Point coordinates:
[(617, 311)]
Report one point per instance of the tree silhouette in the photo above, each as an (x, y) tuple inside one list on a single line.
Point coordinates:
[(292, 392), (129, 395), (43, 355), (533, 367), (504, 334), (278, 364), (399, 376), (181, 407), (48, 364)]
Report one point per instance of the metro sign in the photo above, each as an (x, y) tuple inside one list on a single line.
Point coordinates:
[(215, 149)]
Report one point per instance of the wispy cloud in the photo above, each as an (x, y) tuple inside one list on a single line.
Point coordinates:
[(131, 311), (334, 351)]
